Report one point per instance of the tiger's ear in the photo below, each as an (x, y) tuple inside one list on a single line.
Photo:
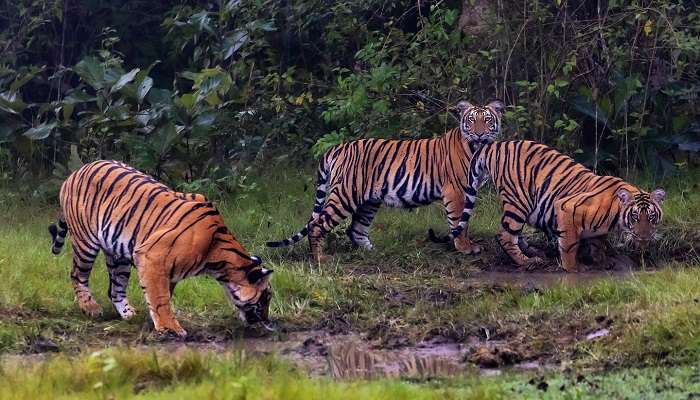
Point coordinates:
[(624, 195), (463, 105), (658, 195), (497, 106), (258, 275)]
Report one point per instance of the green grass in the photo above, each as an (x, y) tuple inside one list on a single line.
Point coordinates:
[(123, 373), (653, 316)]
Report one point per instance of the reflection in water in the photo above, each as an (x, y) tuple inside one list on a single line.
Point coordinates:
[(352, 356), (349, 360)]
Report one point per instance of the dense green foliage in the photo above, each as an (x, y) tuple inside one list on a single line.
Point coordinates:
[(193, 91)]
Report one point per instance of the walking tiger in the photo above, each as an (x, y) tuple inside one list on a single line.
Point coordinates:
[(356, 178)]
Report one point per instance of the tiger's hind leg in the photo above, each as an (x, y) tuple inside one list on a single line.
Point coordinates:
[(119, 273), (83, 259), (510, 237), (358, 232), (333, 213)]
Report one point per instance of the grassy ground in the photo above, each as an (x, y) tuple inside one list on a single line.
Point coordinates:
[(405, 291), (155, 375)]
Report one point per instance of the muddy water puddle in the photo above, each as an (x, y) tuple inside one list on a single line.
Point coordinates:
[(353, 356), (353, 359)]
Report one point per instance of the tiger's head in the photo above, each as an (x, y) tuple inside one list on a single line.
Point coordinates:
[(640, 214), (245, 280), (258, 293), (480, 124)]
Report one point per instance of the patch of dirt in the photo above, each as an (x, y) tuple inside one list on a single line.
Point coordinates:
[(335, 323), (313, 347), (495, 356), (397, 294), (40, 344), (533, 281)]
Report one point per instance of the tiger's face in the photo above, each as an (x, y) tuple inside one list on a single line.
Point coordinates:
[(257, 295), (640, 214), (480, 124), (247, 286)]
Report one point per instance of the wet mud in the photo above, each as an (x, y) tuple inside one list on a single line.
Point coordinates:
[(336, 348), (355, 356)]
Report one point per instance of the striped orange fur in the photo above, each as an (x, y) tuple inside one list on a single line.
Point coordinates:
[(356, 178), (169, 236), (544, 188)]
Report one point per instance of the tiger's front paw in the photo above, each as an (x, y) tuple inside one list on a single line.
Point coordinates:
[(466, 247), (90, 307), (169, 332), (574, 268)]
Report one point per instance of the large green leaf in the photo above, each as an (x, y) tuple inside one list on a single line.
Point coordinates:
[(209, 86), (41, 131), (202, 125), (163, 139), (202, 21), (205, 119), (68, 111), (160, 97), (233, 42), (143, 88), (624, 89), (91, 71), (125, 80), (78, 96), (187, 100)]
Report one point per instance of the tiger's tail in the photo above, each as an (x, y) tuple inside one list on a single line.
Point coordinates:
[(476, 178), (58, 232), (322, 180)]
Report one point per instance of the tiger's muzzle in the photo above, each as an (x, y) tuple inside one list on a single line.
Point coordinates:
[(253, 313)]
